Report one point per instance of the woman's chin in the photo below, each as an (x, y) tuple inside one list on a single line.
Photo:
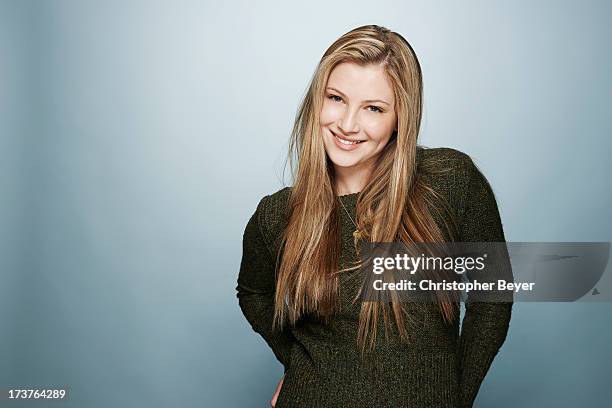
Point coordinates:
[(340, 160)]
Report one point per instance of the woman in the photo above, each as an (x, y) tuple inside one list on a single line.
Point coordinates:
[(361, 175)]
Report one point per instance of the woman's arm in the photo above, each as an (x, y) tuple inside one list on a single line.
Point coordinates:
[(256, 287), (485, 324)]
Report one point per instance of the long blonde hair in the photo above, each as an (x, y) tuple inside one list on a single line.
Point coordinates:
[(392, 207)]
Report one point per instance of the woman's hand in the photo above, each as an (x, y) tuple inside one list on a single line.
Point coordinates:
[(278, 388)]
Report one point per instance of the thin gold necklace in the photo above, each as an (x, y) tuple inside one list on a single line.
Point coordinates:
[(357, 232)]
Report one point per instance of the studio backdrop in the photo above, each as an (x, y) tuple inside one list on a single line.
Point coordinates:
[(137, 138)]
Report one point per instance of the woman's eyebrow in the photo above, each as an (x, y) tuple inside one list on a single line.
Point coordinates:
[(367, 101)]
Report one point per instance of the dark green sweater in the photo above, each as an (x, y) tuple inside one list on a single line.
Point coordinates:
[(440, 368)]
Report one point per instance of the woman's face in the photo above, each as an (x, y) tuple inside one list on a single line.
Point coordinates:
[(358, 106)]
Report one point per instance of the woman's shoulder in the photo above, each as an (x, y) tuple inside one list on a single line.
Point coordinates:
[(445, 167), (443, 157), (456, 175), (275, 204), (273, 213), (451, 173)]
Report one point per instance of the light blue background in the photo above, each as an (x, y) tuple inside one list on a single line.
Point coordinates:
[(138, 137)]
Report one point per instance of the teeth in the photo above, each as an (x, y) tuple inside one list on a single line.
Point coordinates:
[(346, 142)]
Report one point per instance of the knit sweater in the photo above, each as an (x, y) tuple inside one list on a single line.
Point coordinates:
[(441, 366)]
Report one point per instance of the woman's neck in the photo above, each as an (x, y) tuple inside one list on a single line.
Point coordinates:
[(351, 180)]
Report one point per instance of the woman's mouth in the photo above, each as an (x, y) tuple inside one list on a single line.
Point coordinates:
[(346, 144)]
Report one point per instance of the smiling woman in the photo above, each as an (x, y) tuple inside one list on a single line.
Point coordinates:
[(361, 175), (358, 116)]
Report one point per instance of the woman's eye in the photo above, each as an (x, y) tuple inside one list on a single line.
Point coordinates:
[(336, 98)]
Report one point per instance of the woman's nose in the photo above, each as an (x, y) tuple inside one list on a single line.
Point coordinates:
[(348, 123)]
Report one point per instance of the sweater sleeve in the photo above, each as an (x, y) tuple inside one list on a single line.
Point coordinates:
[(257, 285), (485, 324)]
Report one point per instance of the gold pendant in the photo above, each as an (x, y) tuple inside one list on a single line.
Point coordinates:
[(357, 237)]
